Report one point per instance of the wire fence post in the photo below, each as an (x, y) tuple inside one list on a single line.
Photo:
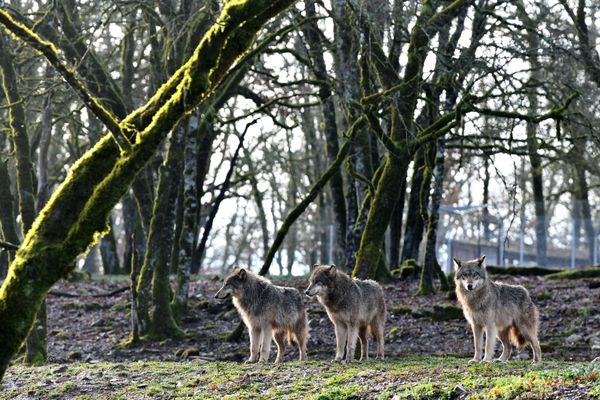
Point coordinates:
[(449, 262), (573, 243), (331, 237)]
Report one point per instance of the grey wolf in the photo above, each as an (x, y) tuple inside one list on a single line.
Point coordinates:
[(267, 310), (355, 307), (500, 310)]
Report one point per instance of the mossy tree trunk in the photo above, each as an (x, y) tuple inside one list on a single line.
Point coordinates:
[(359, 166), (7, 218), (431, 264), (153, 287), (77, 212), (402, 114), (36, 345)]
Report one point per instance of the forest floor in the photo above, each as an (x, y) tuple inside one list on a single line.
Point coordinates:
[(428, 344)]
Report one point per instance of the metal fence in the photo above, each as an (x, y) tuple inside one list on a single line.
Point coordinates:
[(511, 241)]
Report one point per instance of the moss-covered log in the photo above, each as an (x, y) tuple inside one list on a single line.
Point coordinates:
[(77, 212)]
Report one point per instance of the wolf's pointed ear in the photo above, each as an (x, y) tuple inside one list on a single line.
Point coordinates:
[(457, 264), (242, 274), (481, 261), (332, 269), (314, 266)]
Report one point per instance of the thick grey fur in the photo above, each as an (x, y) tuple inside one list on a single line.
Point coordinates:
[(267, 310), (498, 309), (355, 307)]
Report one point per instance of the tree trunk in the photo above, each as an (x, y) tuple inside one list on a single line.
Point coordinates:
[(108, 252), (359, 162), (537, 179), (79, 208), (396, 228), (36, 345), (153, 288), (582, 192), (402, 114), (187, 239), (311, 32), (417, 203), (431, 263), (485, 213), (7, 218), (310, 197)]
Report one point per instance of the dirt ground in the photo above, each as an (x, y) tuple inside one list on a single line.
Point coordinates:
[(87, 328)]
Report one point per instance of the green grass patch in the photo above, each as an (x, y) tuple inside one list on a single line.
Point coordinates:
[(403, 378)]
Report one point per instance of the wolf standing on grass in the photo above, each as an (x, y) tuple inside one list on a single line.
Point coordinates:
[(501, 310), (355, 307), (267, 310)]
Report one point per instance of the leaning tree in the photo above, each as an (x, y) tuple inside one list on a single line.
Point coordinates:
[(76, 214)]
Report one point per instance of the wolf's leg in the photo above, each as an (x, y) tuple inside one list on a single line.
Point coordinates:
[(537, 350), (279, 337), (532, 339), (364, 344), (378, 327), (477, 342), (265, 347), (340, 340), (254, 343), (301, 336), (351, 343), (490, 342), (506, 346)]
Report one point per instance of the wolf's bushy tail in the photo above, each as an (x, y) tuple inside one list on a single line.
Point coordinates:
[(516, 338)]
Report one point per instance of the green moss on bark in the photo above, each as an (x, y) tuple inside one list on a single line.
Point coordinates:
[(77, 212)]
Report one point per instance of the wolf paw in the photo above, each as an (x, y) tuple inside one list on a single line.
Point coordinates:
[(250, 361), (499, 360), (486, 360), (339, 360), (473, 361)]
